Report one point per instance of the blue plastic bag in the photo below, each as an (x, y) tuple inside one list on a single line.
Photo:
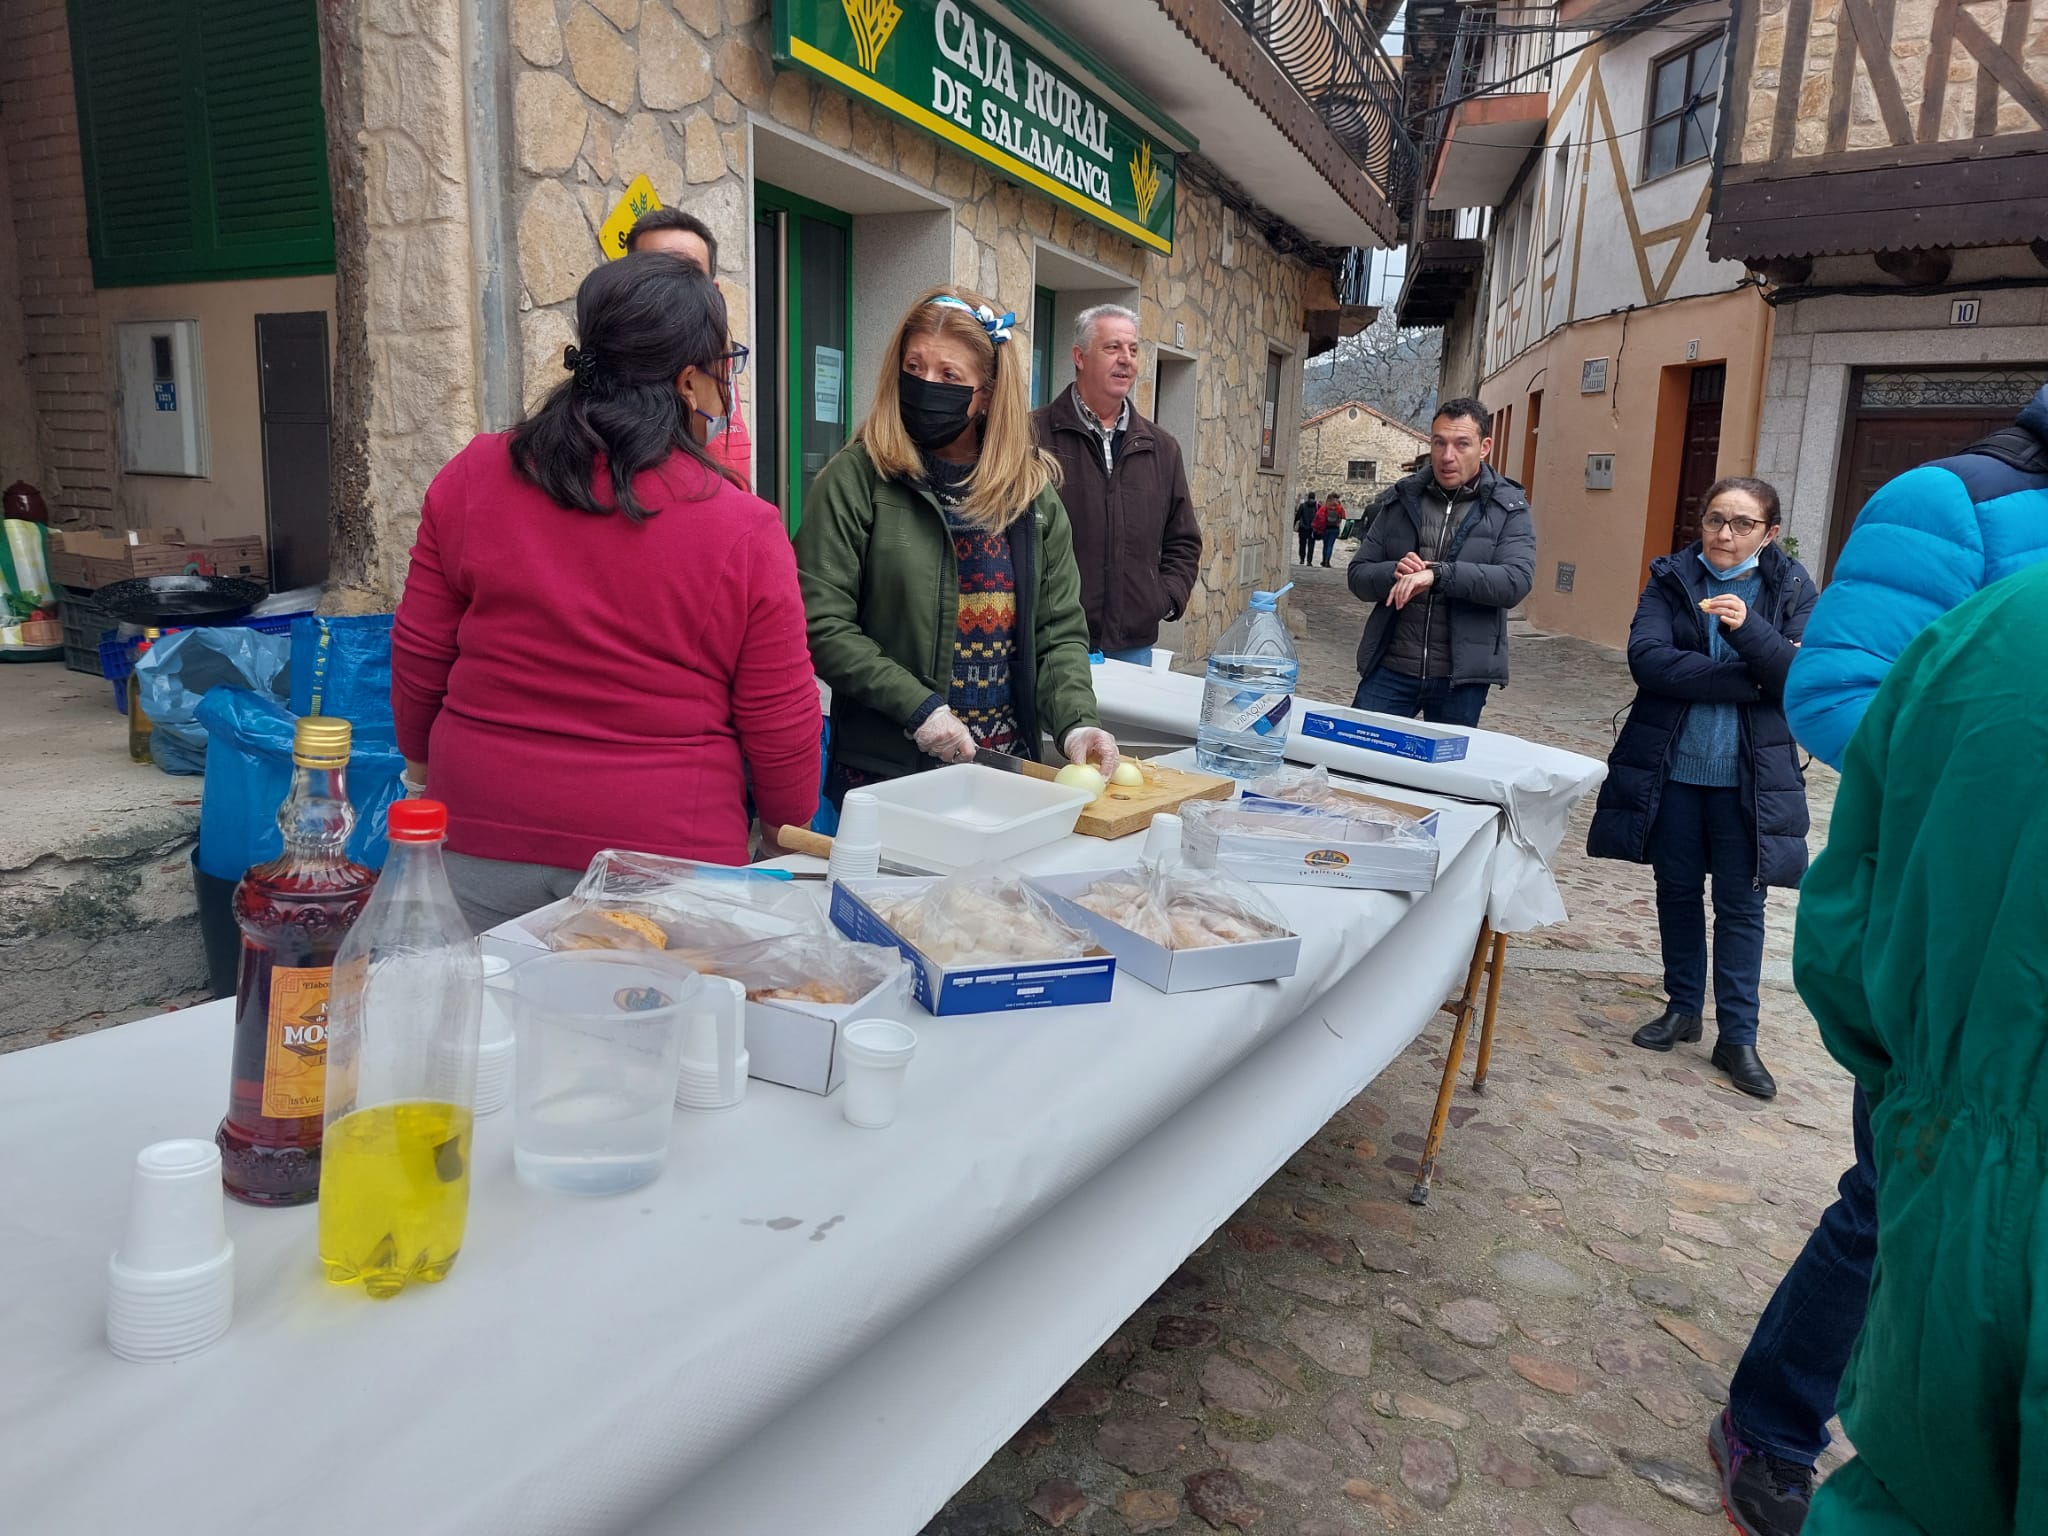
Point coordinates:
[(176, 672), (342, 666), (249, 772)]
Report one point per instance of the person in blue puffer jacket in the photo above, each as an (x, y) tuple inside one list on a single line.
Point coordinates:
[(1925, 543), (1704, 779)]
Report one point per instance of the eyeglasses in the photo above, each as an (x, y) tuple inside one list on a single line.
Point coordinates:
[(737, 357), (1744, 526)]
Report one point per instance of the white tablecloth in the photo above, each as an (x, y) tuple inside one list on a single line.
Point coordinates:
[(1536, 786), (621, 1364)]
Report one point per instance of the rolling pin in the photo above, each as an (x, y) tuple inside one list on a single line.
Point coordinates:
[(803, 840)]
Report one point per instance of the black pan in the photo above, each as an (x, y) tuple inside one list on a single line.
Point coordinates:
[(189, 602)]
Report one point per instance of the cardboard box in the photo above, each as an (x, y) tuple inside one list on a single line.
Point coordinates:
[(92, 559), (946, 990), (1163, 969), (1386, 733), (1325, 849), (1422, 815), (790, 1043)]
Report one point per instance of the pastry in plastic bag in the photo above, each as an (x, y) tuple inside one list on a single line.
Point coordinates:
[(625, 898), (984, 916), (1183, 908), (824, 969)]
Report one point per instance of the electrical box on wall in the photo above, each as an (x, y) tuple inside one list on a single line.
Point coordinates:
[(1599, 471), (163, 398)]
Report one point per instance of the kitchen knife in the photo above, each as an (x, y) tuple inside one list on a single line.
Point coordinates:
[(989, 758)]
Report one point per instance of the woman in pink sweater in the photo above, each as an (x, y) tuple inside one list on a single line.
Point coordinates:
[(601, 643)]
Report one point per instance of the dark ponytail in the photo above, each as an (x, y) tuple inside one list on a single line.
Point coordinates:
[(641, 320)]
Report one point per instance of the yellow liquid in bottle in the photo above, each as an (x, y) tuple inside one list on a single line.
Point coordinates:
[(394, 1194)]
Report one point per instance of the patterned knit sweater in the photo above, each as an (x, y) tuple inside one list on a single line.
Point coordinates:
[(985, 641)]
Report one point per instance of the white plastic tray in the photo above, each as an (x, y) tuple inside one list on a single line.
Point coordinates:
[(966, 814)]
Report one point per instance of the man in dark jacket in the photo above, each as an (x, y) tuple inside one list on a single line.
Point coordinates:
[(1305, 525), (1126, 492), (1451, 550)]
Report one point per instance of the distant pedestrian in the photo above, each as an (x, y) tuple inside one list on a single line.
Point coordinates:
[(1451, 551), (1925, 543), (1919, 952), (1331, 524), (1305, 526), (1705, 779)]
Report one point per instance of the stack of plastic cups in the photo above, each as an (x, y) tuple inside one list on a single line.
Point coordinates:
[(857, 845), (713, 1073), (1162, 840), (494, 1051), (878, 1052), (171, 1283)]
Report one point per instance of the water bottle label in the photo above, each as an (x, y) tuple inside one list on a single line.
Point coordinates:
[(1252, 710)]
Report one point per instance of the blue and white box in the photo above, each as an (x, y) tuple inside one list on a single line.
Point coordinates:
[(1386, 733), (943, 989)]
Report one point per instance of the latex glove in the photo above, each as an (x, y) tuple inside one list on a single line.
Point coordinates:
[(1091, 743), (943, 736)]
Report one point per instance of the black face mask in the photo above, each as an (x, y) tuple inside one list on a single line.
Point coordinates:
[(933, 414)]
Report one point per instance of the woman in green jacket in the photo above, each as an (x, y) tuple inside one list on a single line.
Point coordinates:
[(938, 564), (1922, 933)]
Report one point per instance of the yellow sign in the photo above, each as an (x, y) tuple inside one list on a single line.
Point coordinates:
[(872, 22), (640, 198), (1144, 180)]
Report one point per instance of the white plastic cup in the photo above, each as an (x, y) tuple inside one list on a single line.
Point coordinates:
[(714, 1030), (171, 1282), (857, 845), (1162, 660), (699, 1088), (497, 1046), (1162, 838), (175, 1213), (878, 1052)]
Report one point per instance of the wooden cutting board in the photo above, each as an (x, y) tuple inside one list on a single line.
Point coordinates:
[(1119, 812)]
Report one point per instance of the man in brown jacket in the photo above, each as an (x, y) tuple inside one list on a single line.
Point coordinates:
[(1126, 491)]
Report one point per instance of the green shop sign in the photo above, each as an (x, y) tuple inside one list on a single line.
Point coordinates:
[(952, 70)]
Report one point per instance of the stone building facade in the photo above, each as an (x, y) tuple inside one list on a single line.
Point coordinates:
[(1354, 451), (585, 96)]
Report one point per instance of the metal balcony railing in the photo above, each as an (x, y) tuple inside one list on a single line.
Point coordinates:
[(1497, 50), (1329, 50)]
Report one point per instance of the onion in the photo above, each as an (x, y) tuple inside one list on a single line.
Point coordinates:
[(1127, 774), (1080, 776)]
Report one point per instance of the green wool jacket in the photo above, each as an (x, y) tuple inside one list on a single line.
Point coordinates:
[(882, 594), (1922, 950)]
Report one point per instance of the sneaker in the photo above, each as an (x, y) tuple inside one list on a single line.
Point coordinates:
[(1763, 1495)]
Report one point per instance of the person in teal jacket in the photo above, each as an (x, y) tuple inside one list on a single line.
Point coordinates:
[(1922, 950)]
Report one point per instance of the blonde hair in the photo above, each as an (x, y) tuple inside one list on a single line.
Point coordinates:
[(1012, 469)]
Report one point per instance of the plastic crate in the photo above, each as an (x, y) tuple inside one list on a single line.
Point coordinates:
[(276, 623), (84, 621)]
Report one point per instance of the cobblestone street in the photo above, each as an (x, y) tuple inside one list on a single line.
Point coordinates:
[(1538, 1352)]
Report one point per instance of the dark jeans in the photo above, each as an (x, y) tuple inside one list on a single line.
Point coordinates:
[(1329, 544), (1307, 540), (1437, 699), (1700, 832), (1784, 1389)]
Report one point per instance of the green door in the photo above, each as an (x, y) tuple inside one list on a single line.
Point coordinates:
[(803, 324), (1042, 343)]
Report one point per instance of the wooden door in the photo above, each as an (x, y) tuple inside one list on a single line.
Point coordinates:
[(292, 403), (1701, 454), (1885, 444)]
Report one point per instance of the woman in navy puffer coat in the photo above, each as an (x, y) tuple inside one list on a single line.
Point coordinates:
[(1705, 778)]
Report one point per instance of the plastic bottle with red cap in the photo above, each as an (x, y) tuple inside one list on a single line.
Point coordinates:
[(403, 1022)]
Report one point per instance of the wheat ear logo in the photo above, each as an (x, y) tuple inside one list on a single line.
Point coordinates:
[(1144, 180), (872, 22)]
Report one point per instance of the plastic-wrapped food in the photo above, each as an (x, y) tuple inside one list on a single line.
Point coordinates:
[(1178, 907), (824, 969), (1312, 787), (984, 916), (644, 901), (1337, 820)]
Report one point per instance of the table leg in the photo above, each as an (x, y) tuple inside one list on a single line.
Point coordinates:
[(1500, 955), (1461, 1012)]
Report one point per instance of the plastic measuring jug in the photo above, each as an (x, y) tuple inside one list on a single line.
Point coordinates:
[(600, 1038)]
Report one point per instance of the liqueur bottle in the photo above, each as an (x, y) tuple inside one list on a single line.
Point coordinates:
[(294, 913), (407, 1009)]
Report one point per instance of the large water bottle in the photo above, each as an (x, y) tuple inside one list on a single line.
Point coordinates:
[(1248, 703)]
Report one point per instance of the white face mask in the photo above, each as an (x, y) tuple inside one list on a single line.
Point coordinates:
[(1756, 556)]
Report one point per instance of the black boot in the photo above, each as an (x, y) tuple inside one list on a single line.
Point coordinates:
[(1745, 1070), (1666, 1030)]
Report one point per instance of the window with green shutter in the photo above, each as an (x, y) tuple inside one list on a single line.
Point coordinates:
[(203, 140)]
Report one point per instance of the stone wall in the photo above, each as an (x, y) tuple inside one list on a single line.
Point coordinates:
[(60, 330), (604, 90), (1331, 439)]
